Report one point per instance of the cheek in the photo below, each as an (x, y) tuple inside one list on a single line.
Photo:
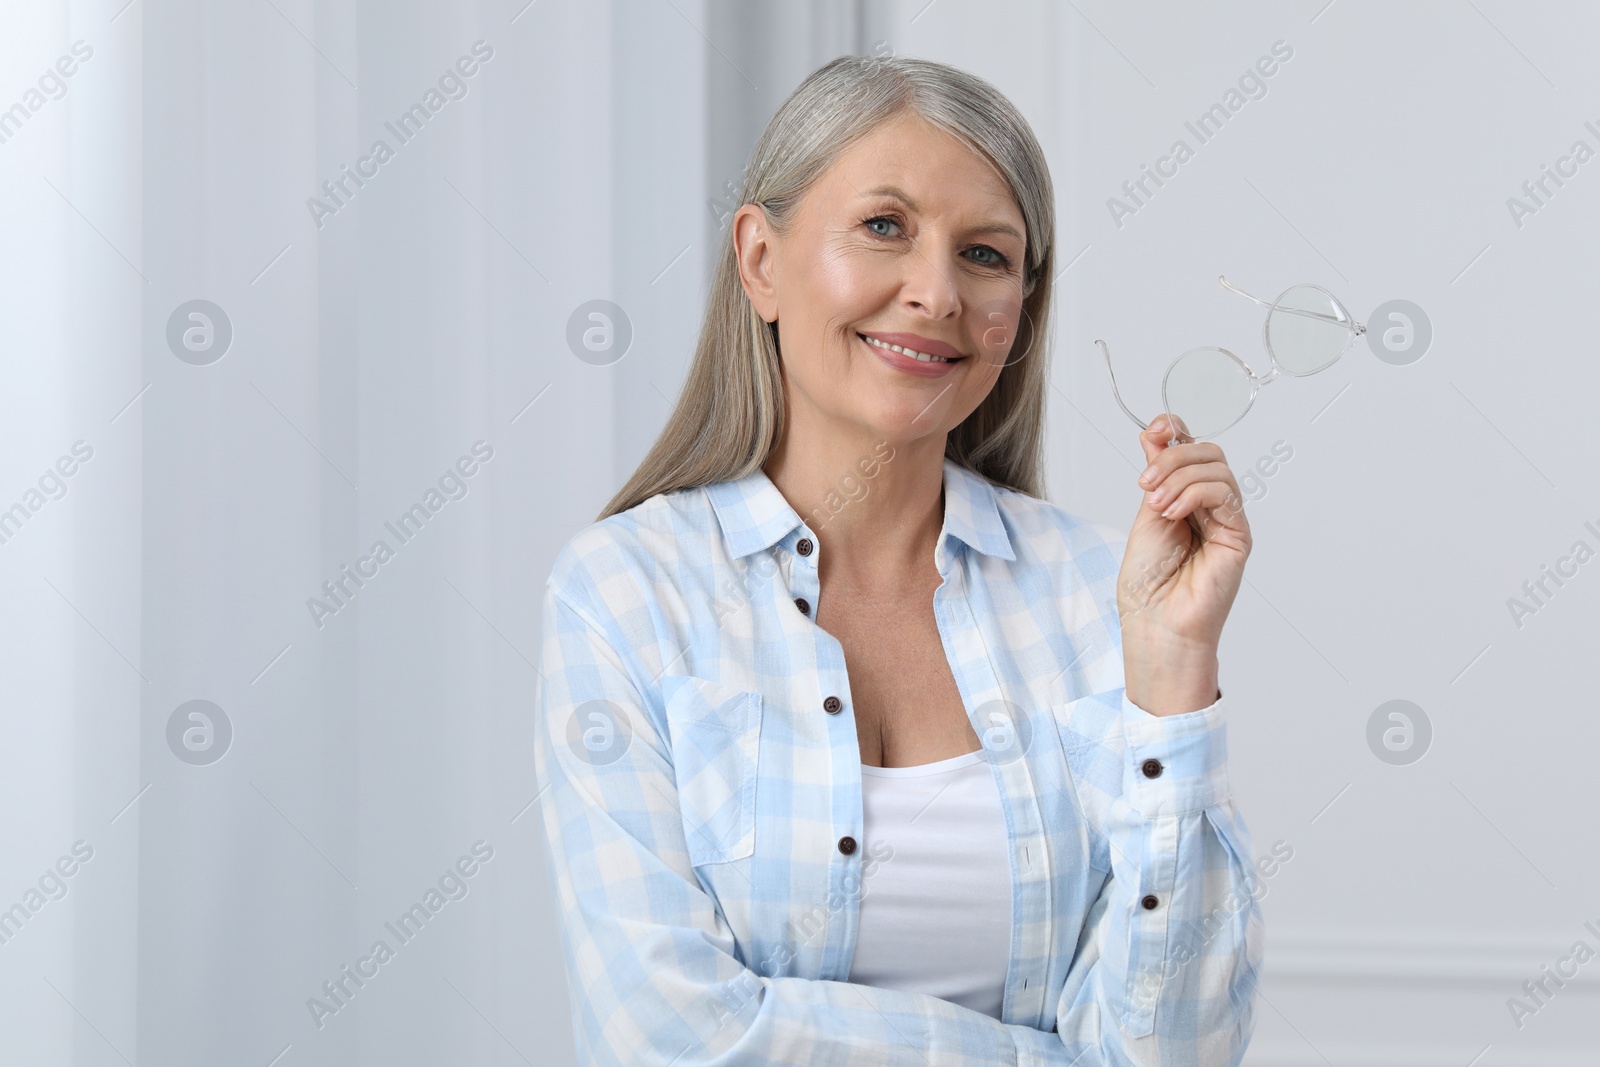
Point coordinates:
[(847, 291), (980, 382), (835, 298), (999, 331), (835, 273)]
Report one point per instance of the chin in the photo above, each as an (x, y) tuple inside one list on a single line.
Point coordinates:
[(905, 422)]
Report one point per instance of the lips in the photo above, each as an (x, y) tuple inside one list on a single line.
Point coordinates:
[(900, 363), (914, 346)]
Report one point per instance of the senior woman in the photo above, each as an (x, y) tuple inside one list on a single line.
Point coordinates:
[(851, 752)]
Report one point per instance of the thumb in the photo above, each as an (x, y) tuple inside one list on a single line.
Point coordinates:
[(1154, 440)]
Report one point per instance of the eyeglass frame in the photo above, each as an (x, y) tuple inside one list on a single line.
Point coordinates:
[(1275, 369)]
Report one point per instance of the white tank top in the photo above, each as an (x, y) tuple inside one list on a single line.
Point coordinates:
[(935, 913)]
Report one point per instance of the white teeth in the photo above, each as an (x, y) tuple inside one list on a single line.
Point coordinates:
[(921, 357)]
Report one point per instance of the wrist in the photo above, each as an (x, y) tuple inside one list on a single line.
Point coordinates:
[(1170, 677)]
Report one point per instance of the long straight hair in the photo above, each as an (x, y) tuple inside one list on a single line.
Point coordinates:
[(730, 414)]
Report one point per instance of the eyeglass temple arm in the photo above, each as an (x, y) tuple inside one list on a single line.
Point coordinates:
[(1107, 353), (1356, 326)]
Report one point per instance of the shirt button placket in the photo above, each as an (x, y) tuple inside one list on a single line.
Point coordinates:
[(806, 592), (803, 576)]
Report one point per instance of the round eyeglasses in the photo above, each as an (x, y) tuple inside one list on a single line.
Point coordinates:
[(1207, 390)]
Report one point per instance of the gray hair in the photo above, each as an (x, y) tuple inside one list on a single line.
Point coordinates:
[(729, 416)]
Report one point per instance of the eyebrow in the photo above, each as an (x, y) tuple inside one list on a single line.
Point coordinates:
[(900, 194)]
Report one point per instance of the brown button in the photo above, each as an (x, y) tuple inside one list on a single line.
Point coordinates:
[(803, 546), (832, 705), (1149, 902), (1151, 767), (800, 602), (847, 845)]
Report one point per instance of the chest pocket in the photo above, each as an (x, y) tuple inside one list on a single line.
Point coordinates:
[(716, 735)]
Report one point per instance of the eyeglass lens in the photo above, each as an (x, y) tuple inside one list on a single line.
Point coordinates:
[(1306, 343), (1210, 390)]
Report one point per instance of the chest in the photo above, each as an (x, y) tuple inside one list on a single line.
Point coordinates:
[(908, 709)]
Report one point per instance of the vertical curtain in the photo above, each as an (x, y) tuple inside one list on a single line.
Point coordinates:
[(289, 287)]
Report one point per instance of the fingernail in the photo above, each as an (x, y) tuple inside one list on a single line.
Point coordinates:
[(1148, 476)]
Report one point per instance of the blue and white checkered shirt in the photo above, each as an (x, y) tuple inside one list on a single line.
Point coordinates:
[(701, 792)]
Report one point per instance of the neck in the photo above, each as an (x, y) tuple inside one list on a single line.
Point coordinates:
[(875, 506)]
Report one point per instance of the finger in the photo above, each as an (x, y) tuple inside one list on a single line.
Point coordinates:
[(1168, 488), (1181, 431), (1169, 428), (1165, 460), (1153, 440), (1223, 500)]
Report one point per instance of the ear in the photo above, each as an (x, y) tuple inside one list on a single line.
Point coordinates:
[(756, 257)]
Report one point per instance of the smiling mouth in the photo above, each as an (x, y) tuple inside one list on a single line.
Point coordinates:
[(920, 357)]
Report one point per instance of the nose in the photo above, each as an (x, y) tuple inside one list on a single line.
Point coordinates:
[(930, 285)]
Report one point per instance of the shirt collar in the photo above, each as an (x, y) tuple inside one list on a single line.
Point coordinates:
[(754, 515)]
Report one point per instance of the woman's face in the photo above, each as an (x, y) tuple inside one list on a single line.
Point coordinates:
[(909, 238)]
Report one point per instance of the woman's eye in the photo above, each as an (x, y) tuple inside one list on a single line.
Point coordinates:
[(996, 258), (999, 258)]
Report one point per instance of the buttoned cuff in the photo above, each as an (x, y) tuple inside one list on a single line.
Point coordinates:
[(1175, 764)]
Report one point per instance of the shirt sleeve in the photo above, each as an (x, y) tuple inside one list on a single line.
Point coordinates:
[(1169, 957), (651, 963)]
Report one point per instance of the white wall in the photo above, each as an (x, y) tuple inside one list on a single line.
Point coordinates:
[(1419, 497), (431, 312)]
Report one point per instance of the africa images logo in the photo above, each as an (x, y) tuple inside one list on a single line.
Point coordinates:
[(1252, 85), (338, 190)]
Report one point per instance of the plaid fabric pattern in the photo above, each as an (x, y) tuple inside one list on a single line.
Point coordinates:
[(696, 791)]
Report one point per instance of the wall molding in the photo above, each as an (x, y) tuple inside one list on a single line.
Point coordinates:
[(1470, 959), (1344, 971), (1443, 1054)]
